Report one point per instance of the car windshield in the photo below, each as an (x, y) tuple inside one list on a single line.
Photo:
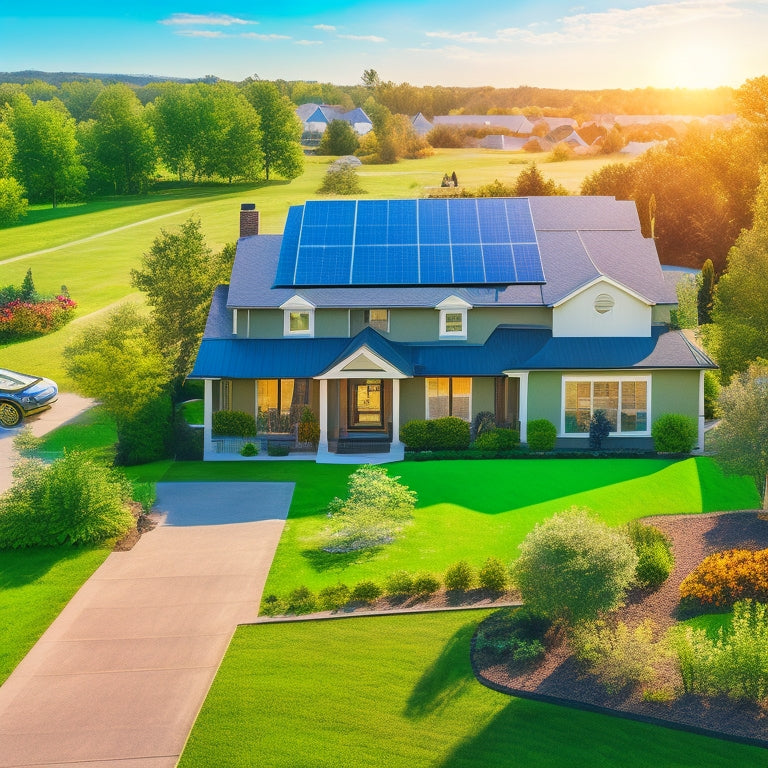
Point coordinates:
[(11, 381)]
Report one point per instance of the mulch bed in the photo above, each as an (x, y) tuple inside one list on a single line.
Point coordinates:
[(142, 524), (559, 679)]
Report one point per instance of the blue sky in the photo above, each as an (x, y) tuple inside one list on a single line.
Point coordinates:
[(619, 44)]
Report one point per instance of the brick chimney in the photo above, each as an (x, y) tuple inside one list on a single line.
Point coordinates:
[(249, 220)]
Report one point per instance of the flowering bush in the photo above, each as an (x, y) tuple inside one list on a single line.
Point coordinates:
[(725, 577), (19, 318)]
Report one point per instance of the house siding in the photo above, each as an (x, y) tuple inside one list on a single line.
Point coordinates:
[(412, 400), (483, 395), (244, 396), (675, 392)]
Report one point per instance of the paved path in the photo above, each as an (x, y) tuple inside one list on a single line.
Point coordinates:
[(119, 677)]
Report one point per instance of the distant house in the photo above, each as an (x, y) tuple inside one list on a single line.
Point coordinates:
[(371, 313), (421, 125), (501, 141), (317, 117), (636, 148), (516, 123)]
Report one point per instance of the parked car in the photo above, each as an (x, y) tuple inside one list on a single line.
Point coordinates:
[(22, 395)]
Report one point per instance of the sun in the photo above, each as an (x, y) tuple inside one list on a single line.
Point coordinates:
[(693, 65)]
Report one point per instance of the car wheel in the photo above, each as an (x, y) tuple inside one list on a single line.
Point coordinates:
[(10, 414)]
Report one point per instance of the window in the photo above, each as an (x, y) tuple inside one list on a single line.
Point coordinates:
[(453, 323), (298, 322), (449, 397), (280, 403), (298, 317), (225, 395), (624, 400), (378, 319)]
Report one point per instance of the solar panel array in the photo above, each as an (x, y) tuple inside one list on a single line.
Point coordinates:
[(449, 241)]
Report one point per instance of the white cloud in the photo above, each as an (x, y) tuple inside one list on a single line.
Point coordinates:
[(215, 33), (207, 19), (307, 42), (366, 38), (464, 37), (325, 27), (257, 36)]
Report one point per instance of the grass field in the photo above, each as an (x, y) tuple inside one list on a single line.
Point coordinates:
[(97, 272), (35, 584), (473, 509), (398, 692)]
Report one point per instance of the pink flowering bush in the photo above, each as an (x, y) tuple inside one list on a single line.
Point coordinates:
[(19, 318)]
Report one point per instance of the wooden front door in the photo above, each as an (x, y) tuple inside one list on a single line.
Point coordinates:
[(366, 404)]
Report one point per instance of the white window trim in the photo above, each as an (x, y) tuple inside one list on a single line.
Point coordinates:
[(620, 379), (426, 396), (462, 334), (298, 304), (378, 309)]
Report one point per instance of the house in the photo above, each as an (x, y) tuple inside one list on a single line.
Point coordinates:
[(502, 141), (375, 312), (421, 125), (518, 124), (316, 118)]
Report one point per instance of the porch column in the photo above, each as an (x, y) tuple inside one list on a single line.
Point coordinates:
[(396, 412), (207, 417), (700, 446), (322, 446), (523, 377)]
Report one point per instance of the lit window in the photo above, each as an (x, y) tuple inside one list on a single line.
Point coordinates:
[(299, 317), (449, 397), (378, 319), (298, 322), (453, 324), (624, 402), (280, 403)]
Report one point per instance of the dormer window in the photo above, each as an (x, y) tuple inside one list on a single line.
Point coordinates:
[(453, 318), (378, 319), (298, 317)]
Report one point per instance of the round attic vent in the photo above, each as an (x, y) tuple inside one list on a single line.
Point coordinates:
[(604, 303)]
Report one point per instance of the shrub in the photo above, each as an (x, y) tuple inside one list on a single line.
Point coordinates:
[(25, 443), (725, 577), (735, 663), (654, 554), (497, 440), (425, 584), (341, 180), (301, 600), (272, 605), (541, 435), (277, 449), (711, 395), (187, 441), (448, 433), (674, 433), (599, 429), (374, 512), (484, 421), (493, 576), (459, 577), (234, 424), (573, 566), (147, 435), (415, 435), (19, 318), (332, 598), (514, 631), (399, 583), (365, 592), (71, 501), (249, 449), (309, 427), (618, 656)]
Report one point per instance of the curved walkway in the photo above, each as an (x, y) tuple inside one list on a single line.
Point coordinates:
[(119, 677)]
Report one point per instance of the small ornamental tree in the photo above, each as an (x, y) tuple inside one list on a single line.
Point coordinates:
[(599, 429), (573, 566), (374, 512)]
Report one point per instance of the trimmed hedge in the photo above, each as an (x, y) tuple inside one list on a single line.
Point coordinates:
[(447, 433), (234, 424), (674, 433), (497, 440), (542, 435)]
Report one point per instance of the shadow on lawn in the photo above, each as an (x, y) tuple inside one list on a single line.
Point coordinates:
[(448, 676), (19, 567), (322, 561)]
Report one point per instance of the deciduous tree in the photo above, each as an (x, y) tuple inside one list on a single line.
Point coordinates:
[(339, 139)]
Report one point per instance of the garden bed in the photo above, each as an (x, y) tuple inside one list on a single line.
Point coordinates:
[(559, 678)]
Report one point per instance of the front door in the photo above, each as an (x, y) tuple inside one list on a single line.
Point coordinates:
[(366, 404)]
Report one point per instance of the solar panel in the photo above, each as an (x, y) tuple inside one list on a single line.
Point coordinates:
[(450, 241)]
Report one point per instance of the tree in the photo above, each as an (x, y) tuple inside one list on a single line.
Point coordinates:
[(686, 314), (740, 305), (752, 101), (573, 567), (122, 151), (178, 275), (706, 291), (79, 95), (615, 179), (13, 204), (614, 141), (531, 183), (370, 78), (281, 129), (177, 126), (339, 139), (741, 438), (46, 162)]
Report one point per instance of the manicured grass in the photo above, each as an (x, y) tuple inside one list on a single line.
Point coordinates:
[(35, 584), (398, 692), (97, 273), (473, 509), (192, 411), (92, 432)]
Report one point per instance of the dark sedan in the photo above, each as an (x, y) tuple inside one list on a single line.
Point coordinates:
[(22, 395)]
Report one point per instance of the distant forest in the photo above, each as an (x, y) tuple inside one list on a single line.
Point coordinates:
[(431, 100)]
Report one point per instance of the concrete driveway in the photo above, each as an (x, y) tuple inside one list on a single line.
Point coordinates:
[(119, 677)]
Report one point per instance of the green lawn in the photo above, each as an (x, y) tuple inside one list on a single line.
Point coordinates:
[(97, 272), (35, 585), (398, 692), (473, 509), (192, 411)]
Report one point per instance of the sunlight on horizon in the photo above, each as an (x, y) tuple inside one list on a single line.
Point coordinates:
[(694, 65)]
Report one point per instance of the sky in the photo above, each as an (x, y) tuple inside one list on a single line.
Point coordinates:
[(592, 45)]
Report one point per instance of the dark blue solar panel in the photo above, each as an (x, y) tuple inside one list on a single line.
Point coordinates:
[(433, 222), (410, 242), (528, 261), (499, 263), (286, 266), (468, 264), (463, 221)]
